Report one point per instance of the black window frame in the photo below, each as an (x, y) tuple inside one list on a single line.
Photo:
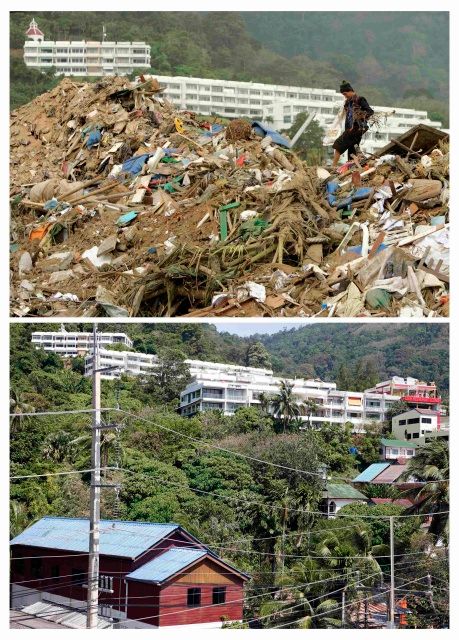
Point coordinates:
[(193, 597), (219, 595)]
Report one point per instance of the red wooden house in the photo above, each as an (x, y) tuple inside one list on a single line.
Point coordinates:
[(150, 573)]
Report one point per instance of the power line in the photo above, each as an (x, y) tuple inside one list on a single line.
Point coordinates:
[(213, 446), (340, 608), (55, 473), (58, 413)]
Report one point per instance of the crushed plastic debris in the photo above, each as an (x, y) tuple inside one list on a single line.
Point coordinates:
[(143, 210)]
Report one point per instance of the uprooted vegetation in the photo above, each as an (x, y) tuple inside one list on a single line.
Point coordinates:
[(124, 206)]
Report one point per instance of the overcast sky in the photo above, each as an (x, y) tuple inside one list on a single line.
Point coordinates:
[(241, 328)]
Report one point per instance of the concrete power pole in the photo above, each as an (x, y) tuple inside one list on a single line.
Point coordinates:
[(94, 521), (391, 620)]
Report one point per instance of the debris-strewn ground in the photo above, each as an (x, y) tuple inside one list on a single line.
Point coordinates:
[(123, 206)]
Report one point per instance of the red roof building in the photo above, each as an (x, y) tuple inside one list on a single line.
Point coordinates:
[(151, 574), (34, 32)]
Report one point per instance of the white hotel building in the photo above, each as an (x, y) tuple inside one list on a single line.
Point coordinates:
[(70, 344), (280, 104), (84, 57), (228, 387)]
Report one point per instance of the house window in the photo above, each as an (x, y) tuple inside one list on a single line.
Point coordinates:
[(218, 595), (36, 567), (413, 421), (426, 420), (55, 571), (332, 507), (394, 452), (194, 597), (402, 422)]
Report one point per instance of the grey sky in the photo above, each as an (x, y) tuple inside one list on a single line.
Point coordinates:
[(245, 329)]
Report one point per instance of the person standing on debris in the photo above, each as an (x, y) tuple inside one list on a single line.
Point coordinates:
[(357, 111)]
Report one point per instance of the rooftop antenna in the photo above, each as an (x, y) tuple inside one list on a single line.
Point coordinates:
[(104, 33)]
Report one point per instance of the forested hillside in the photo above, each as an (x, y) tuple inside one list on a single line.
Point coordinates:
[(328, 351), (394, 58)]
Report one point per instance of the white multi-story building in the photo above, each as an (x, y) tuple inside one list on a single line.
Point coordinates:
[(280, 104), (84, 57), (421, 425), (228, 387), (128, 362), (75, 343)]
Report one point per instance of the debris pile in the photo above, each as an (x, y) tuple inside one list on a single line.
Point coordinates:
[(124, 206)]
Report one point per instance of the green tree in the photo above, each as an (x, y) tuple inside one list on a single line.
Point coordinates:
[(285, 407), (309, 144), (258, 356), (169, 377), (430, 466)]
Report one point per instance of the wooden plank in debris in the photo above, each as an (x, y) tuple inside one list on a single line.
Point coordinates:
[(376, 244)]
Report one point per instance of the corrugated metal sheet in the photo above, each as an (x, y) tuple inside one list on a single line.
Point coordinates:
[(62, 615), (167, 564), (117, 538), (371, 472), (343, 491), (390, 475)]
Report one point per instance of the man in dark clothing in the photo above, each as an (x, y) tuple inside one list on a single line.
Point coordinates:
[(357, 112)]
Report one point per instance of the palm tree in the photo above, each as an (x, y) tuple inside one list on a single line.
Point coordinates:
[(18, 405), (430, 466), (312, 408), (265, 402), (59, 446), (284, 404), (299, 611)]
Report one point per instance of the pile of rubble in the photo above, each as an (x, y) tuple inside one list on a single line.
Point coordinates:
[(124, 206)]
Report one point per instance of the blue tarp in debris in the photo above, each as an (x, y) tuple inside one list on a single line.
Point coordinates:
[(357, 194), (126, 218), (263, 130), (93, 138), (134, 165), (214, 129)]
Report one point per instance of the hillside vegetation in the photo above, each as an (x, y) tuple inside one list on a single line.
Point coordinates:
[(393, 58)]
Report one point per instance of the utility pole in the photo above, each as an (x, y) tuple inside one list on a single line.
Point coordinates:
[(391, 620), (343, 608), (94, 520)]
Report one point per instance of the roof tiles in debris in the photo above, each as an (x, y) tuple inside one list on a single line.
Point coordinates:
[(117, 538)]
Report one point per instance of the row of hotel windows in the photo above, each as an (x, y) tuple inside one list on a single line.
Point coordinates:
[(252, 92), (119, 51)]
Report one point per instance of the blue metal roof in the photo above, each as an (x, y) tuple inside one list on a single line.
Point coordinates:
[(371, 472), (167, 564), (117, 538)]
